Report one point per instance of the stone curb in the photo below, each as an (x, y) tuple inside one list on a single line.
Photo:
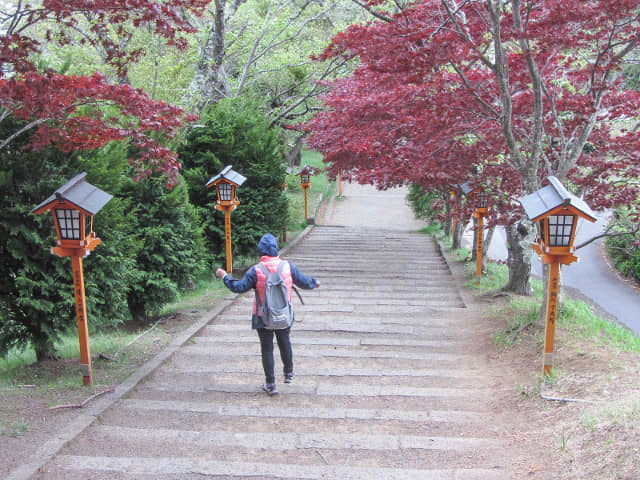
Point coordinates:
[(456, 273), (50, 448)]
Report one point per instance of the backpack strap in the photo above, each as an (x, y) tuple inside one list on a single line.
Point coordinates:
[(263, 269), (293, 287), (266, 272)]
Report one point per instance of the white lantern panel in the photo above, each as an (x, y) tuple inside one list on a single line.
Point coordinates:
[(225, 192), (560, 229), (68, 224)]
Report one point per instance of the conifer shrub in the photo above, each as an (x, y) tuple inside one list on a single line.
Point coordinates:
[(235, 132)]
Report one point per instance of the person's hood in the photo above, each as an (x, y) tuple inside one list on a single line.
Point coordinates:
[(268, 245)]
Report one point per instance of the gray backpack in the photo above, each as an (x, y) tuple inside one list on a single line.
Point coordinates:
[(276, 311)]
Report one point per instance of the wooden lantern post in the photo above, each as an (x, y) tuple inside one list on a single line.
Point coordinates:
[(305, 174), (226, 183), (73, 206), (555, 212), (480, 199)]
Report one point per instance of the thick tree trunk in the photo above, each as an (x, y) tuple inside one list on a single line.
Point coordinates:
[(294, 156), (206, 86), (456, 241), (45, 350), (485, 247), (520, 236), (474, 248), (447, 225)]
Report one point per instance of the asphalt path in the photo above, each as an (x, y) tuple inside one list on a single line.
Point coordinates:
[(591, 276)]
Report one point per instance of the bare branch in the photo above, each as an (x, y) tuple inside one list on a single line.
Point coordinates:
[(329, 70), (17, 133), (536, 82), (379, 16), (607, 234)]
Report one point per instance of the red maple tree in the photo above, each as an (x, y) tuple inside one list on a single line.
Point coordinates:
[(518, 90), (85, 112)]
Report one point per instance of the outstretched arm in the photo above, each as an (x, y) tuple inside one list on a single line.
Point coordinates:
[(301, 280), (238, 286)]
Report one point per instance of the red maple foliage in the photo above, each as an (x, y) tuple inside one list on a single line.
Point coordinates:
[(518, 90), (85, 112)]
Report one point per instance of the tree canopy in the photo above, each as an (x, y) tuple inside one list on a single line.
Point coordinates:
[(81, 112), (516, 90)]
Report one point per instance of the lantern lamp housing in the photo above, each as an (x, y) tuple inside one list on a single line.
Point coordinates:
[(305, 174), (482, 199), (73, 206), (555, 212), (478, 194), (226, 183)]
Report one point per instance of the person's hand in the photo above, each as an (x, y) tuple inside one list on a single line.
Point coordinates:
[(317, 283), (220, 273)]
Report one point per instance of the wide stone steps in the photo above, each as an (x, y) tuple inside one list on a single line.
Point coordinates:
[(386, 383)]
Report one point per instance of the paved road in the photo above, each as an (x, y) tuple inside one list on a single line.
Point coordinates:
[(591, 276), (390, 380)]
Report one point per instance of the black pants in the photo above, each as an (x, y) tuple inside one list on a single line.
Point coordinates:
[(284, 345)]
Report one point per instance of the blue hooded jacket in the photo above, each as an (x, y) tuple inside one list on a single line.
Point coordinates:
[(268, 247)]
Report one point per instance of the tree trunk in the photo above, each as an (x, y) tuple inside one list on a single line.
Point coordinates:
[(45, 350), (474, 248), (205, 86), (448, 222), (294, 156), (520, 236), (457, 235), (485, 247)]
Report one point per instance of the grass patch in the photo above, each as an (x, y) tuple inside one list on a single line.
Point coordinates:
[(618, 415), (459, 254), (519, 313), (433, 228), (575, 316), (208, 292), (18, 368), (579, 318), (494, 277), (15, 428)]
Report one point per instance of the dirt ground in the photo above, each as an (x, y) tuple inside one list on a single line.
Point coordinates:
[(28, 413), (584, 424), (587, 416)]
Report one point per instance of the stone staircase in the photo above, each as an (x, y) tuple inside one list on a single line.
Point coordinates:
[(386, 385)]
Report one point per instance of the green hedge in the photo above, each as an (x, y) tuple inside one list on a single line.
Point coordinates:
[(624, 250)]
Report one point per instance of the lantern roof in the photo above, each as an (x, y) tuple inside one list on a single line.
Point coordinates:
[(229, 175), (306, 170), (79, 193), (542, 202), (468, 188)]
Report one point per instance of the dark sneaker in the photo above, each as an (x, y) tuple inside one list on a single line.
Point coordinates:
[(270, 388), (288, 377)]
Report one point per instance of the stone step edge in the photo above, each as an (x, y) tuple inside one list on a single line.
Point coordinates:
[(184, 466)]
